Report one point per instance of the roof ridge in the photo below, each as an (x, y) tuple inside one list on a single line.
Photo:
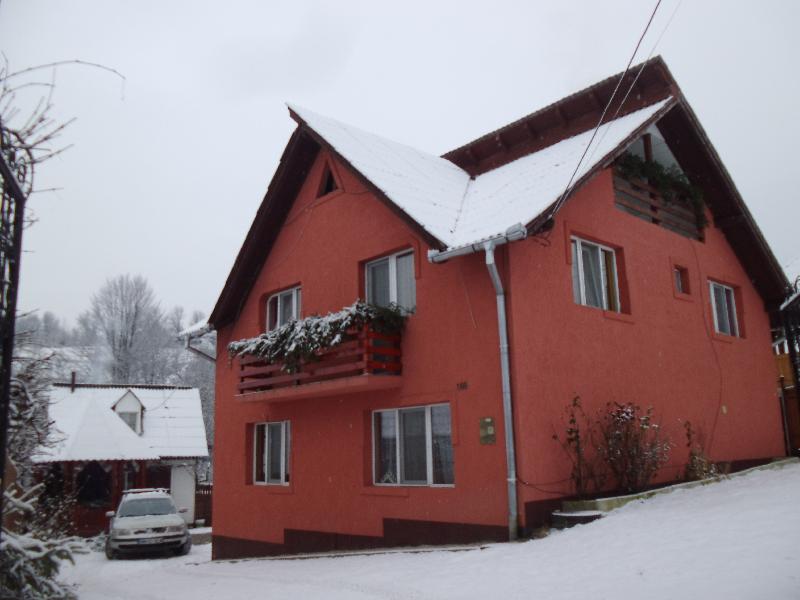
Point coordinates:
[(542, 110), (141, 386)]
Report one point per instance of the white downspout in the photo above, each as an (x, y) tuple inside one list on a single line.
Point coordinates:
[(517, 232), (505, 377)]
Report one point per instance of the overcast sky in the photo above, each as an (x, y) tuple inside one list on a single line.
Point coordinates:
[(168, 169)]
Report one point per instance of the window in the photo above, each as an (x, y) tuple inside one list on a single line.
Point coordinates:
[(282, 308), (271, 453), (594, 275), (93, 484), (390, 280), (681, 277), (413, 446), (723, 304), (131, 420), (129, 472)]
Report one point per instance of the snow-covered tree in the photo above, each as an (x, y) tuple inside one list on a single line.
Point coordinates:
[(128, 319), (31, 550)]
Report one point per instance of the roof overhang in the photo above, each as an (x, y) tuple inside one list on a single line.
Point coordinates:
[(570, 116)]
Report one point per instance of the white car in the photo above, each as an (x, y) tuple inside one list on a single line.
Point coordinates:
[(147, 521)]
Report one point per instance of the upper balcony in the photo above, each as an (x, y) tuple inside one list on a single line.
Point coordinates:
[(658, 191), (362, 360), (640, 199)]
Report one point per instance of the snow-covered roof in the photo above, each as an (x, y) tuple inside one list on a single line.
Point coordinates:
[(196, 330), (456, 209), (87, 428), (791, 300)]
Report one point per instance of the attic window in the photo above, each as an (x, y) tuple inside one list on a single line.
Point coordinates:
[(129, 408), (328, 183), (131, 419)]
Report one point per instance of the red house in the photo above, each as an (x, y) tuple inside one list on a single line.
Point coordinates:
[(525, 286)]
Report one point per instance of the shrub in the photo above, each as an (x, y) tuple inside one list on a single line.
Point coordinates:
[(576, 441), (631, 445), (699, 466)]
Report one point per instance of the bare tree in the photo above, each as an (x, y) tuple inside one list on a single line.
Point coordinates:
[(126, 315), (174, 320)]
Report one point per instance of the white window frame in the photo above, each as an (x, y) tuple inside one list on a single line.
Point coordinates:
[(286, 445), (603, 273), (678, 279), (296, 305), (392, 258), (398, 446), (734, 316)]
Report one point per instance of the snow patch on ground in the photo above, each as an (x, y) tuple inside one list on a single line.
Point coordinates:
[(734, 540)]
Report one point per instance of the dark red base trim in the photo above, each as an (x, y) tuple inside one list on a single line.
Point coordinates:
[(538, 513), (396, 532)]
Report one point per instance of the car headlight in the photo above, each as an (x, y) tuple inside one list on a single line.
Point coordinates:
[(120, 532), (176, 528)]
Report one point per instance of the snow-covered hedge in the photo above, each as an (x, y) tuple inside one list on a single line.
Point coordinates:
[(299, 341)]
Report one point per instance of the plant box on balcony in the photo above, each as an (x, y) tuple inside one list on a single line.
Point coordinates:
[(353, 360)]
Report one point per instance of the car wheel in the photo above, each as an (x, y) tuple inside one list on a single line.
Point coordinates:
[(110, 554), (184, 550)]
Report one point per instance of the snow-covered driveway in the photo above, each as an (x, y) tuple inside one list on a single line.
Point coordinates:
[(737, 539)]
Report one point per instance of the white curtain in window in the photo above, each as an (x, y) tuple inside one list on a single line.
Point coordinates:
[(406, 286), (386, 447), (275, 444), (441, 445), (414, 466), (576, 275), (378, 292), (287, 307), (592, 275), (260, 474), (723, 304)]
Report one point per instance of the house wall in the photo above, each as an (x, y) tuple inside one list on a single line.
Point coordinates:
[(663, 353), (330, 501)]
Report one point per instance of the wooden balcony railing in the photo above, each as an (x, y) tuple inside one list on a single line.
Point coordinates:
[(642, 200), (364, 352)]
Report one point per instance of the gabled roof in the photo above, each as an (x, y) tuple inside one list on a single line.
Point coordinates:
[(442, 198), (87, 428), (511, 176)]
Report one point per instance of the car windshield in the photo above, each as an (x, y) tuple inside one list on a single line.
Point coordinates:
[(146, 506)]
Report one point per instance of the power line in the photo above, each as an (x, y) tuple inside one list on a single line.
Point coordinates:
[(563, 196), (630, 89)]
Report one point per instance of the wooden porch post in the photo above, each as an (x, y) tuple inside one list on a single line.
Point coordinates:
[(141, 476), (116, 483)]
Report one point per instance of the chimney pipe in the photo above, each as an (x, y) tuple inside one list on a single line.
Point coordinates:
[(72, 383)]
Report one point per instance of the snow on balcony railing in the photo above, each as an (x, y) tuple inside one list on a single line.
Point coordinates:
[(359, 340)]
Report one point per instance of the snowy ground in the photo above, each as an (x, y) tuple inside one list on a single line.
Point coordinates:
[(737, 539)]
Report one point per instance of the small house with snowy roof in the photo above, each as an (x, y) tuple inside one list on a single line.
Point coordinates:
[(596, 248), (109, 438)]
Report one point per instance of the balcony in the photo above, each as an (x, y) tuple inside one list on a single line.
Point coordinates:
[(364, 361), (640, 199)]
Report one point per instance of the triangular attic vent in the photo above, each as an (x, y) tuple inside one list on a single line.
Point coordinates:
[(328, 183)]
